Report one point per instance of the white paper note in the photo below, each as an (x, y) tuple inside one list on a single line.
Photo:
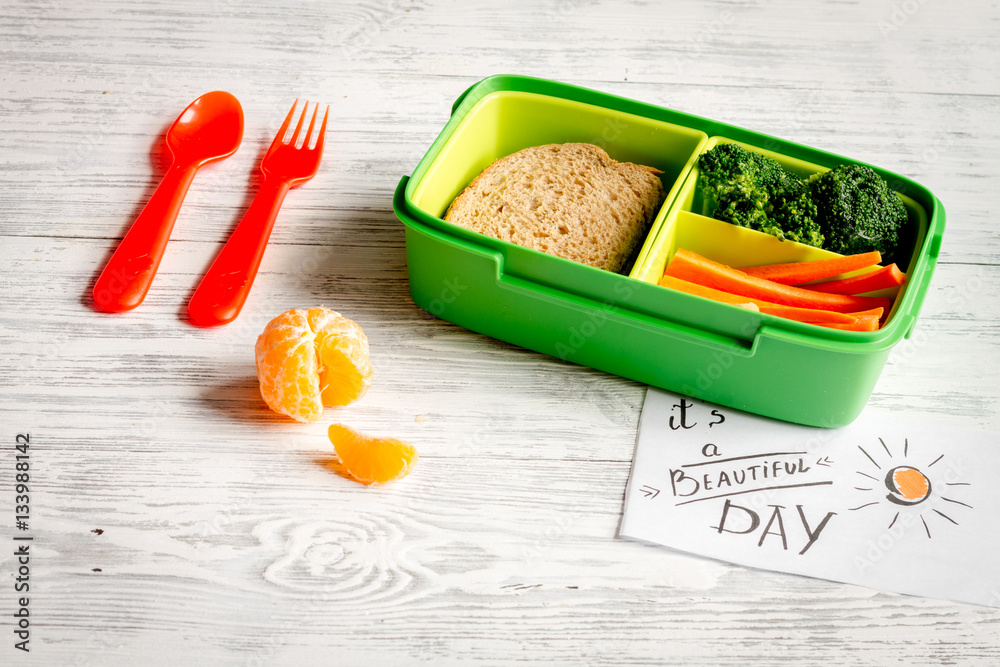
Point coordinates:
[(897, 506)]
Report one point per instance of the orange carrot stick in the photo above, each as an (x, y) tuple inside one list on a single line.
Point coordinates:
[(887, 276), (709, 293), (867, 320), (701, 290), (872, 312), (857, 325), (790, 312), (692, 267), (796, 273), (866, 324)]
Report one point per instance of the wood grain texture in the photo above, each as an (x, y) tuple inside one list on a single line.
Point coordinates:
[(178, 521)]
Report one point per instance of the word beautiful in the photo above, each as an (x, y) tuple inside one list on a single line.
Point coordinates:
[(718, 478)]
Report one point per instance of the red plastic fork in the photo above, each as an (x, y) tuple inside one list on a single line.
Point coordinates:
[(224, 289)]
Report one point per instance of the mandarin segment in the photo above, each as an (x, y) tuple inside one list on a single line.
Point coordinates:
[(345, 368), (371, 460), (308, 359), (287, 367)]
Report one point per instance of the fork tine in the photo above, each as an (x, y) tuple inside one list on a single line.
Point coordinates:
[(298, 127), (322, 128), (279, 138), (312, 123)]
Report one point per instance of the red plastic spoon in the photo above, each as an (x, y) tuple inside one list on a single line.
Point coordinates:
[(210, 129)]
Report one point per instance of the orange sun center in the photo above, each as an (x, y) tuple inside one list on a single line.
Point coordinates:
[(911, 483)]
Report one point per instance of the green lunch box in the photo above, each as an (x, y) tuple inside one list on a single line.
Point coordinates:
[(629, 325)]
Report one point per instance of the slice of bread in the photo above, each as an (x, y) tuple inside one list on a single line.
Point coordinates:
[(570, 200)]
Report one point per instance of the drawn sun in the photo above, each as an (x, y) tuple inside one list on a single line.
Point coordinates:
[(909, 486)]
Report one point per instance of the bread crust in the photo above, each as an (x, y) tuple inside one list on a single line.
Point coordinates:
[(571, 200)]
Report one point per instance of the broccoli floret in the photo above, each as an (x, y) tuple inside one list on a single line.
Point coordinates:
[(857, 211), (751, 190), (794, 213), (733, 185), (848, 210)]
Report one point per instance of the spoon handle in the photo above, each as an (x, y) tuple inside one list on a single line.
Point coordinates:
[(126, 278), (225, 287)]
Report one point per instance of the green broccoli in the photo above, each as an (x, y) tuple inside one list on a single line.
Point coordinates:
[(857, 210), (848, 210), (793, 213), (751, 190)]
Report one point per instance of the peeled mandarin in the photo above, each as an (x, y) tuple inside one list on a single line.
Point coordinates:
[(372, 460), (311, 358)]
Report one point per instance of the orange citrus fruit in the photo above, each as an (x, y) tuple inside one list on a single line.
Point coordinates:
[(307, 359), (372, 460)]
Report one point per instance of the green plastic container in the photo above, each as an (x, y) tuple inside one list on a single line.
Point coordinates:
[(628, 325)]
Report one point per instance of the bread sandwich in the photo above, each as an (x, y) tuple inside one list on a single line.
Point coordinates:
[(571, 200)]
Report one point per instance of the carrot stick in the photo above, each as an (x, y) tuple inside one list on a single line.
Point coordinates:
[(860, 324), (709, 293), (692, 267), (796, 273), (810, 315), (881, 278), (872, 312), (701, 290), (857, 325), (867, 320), (790, 312)]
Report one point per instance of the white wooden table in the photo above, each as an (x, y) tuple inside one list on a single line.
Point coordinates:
[(177, 521)]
